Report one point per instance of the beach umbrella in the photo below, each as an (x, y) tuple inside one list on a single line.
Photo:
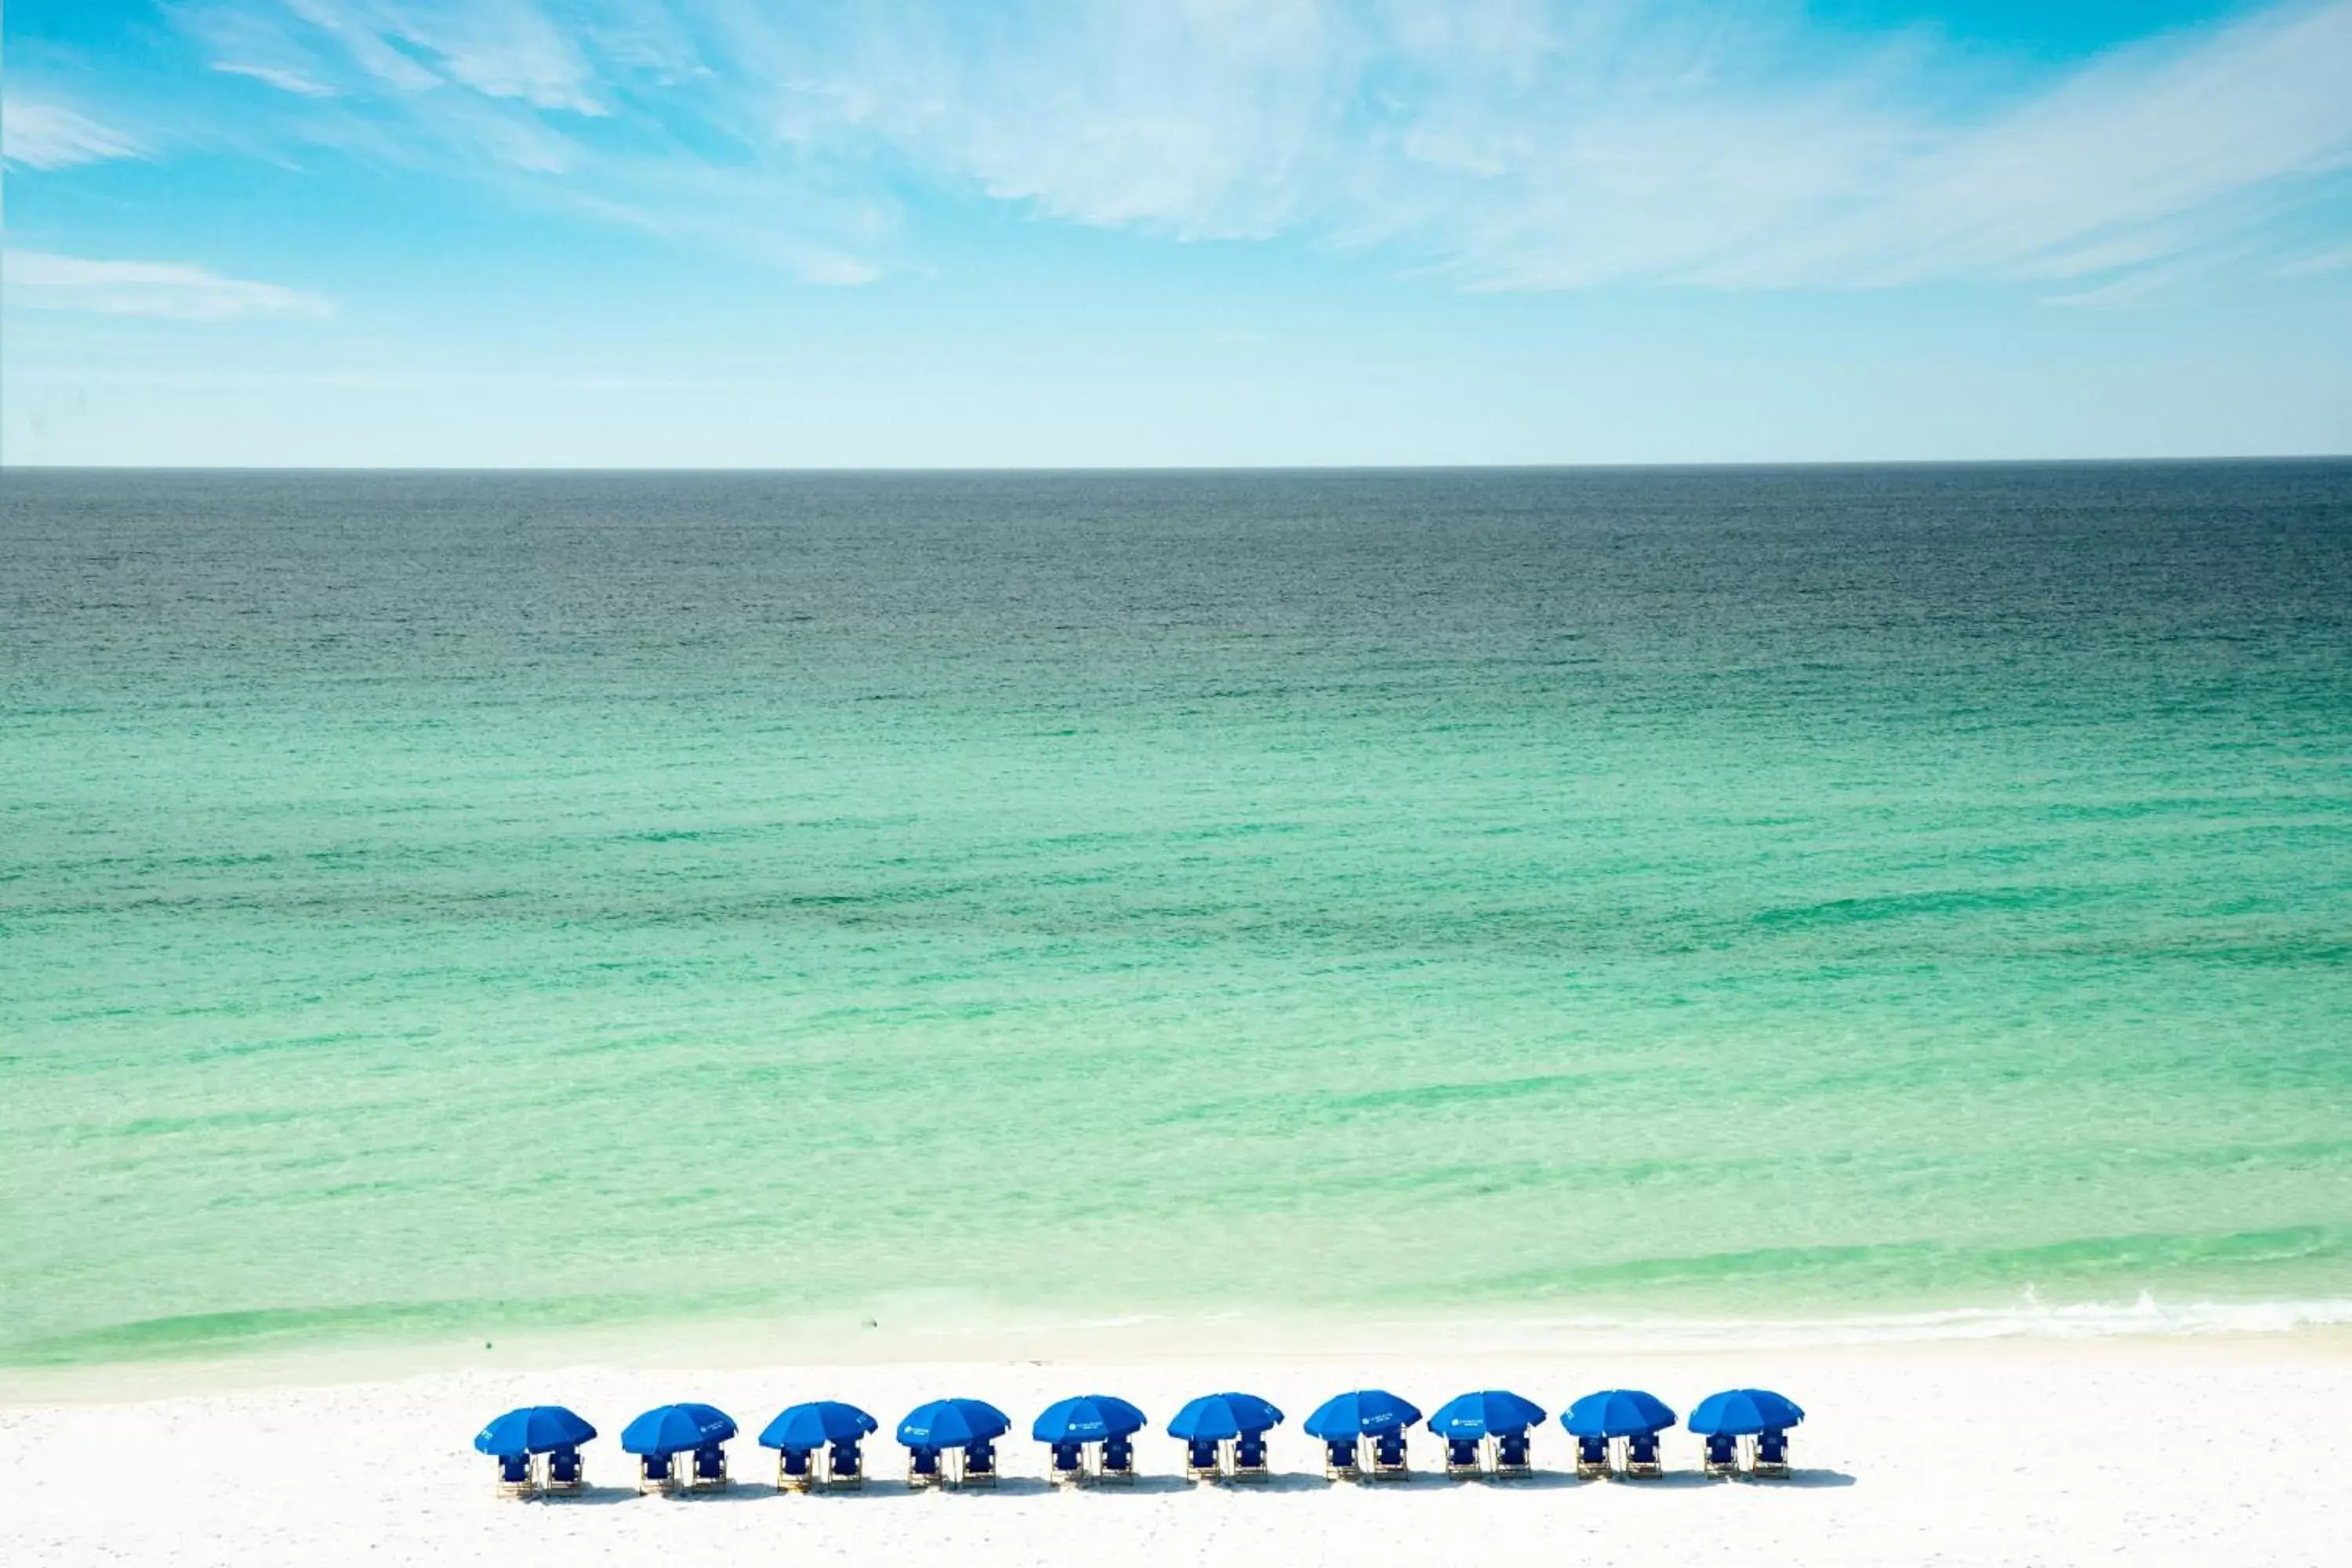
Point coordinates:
[(806, 1428), (533, 1429), (1088, 1419), (952, 1424), (1617, 1413), (1213, 1417), (675, 1428), (1366, 1410), (1489, 1414), (1744, 1412)]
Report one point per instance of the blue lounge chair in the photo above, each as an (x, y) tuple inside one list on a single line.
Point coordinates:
[(655, 1473), (1069, 1464), (1722, 1455), (564, 1472), (1201, 1460), (1118, 1459), (710, 1469), (1641, 1455), (1591, 1458), (1511, 1462), (1462, 1456), (1340, 1459), (922, 1467), (515, 1477), (1388, 1457), (1249, 1457), (842, 1465), (795, 1469), (979, 1463), (1773, 1454)]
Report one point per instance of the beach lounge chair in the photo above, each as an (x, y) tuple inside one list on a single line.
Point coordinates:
[(656, 1473), (1069, 1464), (922, 1467), (795, 1469), (709, 1468), (844, 1472), (1642, 1456), (564, 1472), (1340, 1460), (979, 1464), (516, 1477), (1511, 1462), (1118, 1460), (1772, 1455), (1461, 1457), (1200, 1460), (1389, 1462), (1249, 1457), (1722, 1455), (1591, 1458)]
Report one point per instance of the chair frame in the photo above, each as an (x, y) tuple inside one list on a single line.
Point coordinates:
[(572, 1488), (647, 1484), (964, 1480), (696, 1482), (525, 1487), (834, 1481), (1122, 1477)]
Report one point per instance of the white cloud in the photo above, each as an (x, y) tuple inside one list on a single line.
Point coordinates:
[(284, 79), (39, 281), (39, 135), (1511, 144), (2335, 260)]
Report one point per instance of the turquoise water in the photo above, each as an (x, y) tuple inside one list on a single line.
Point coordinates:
[(439, 905)]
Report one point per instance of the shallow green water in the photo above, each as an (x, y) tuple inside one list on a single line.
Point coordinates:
[(434, 905)]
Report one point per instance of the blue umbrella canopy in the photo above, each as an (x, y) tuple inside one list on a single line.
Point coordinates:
[(1213, 1417), (1362, 1412), (675, 1428), (533, 1429), (1088, 1419), (1617, 1413), (1487, 1414), (808, 1427), (1743, 1412), (953, 1423)]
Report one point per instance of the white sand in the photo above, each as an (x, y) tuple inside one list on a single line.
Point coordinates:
[(2210, 1451)]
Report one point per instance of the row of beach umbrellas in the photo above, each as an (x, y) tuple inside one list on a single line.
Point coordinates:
[(943, 1423)]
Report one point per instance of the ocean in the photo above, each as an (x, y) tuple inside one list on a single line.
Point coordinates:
[(439, 906)]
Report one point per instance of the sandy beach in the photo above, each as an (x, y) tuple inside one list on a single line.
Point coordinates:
[(2208, 1449)]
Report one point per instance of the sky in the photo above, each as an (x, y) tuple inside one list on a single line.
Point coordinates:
[(952, 233)]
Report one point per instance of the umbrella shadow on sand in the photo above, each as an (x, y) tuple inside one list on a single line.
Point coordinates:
[(1810, 1478)]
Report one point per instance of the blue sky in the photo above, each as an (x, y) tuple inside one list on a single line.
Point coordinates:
[(920, 232)]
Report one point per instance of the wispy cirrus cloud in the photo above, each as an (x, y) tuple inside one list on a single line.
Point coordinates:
[(1519, 144), (36, 134), (41, 280), (285, 79)]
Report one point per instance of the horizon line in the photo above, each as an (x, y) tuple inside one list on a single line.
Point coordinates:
[(1598, 466)]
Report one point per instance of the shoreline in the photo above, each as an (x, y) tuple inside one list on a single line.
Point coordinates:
[(1151, 1338)]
